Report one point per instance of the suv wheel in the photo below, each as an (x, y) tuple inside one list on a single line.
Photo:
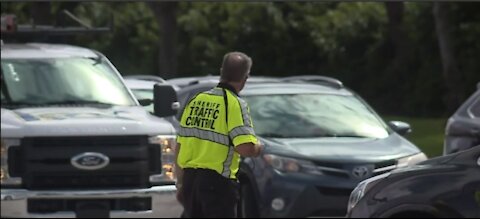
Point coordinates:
[(247, 206)]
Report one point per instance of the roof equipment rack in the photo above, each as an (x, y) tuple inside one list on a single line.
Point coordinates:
[(10, 28)]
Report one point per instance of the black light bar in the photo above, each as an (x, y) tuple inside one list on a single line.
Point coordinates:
[(52, 30), (9, 27)]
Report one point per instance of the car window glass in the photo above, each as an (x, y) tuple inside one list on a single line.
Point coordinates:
[(144, 94), (313, 115)]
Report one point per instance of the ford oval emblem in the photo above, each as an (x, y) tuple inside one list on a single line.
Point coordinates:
[(90, 161)]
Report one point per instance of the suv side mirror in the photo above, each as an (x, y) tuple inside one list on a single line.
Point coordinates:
[(400, 127), (164, 100)]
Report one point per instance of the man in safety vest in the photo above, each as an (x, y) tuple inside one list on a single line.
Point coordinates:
[(215, 130)]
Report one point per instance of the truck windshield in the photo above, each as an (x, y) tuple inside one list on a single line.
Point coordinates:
[(61, 81)]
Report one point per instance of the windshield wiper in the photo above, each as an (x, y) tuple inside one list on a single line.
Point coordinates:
[(76, 102), (352, 136), (63, 102), (273, 135), (343, 135), (17, 103)]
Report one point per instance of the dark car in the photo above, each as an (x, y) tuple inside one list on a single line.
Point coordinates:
[(187, 81), (321, 141), (446, 186), (463, 127)]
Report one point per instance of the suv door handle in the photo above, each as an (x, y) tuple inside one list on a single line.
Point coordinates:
[(475, 131)]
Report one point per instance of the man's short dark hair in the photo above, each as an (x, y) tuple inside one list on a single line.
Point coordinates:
[(235, 67)]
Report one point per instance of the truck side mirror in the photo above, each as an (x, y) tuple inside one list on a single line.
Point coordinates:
[(164, 100), (145, 102)]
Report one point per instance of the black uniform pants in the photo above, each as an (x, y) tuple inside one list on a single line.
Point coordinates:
[(207, 194)]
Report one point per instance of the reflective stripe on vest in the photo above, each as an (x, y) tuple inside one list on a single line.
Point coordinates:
[(204, 134), (228, 161), (241, 130), (244, 109)]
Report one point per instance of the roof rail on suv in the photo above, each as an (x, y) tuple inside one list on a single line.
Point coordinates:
[(188, 81), (146, 78), (316, 79)]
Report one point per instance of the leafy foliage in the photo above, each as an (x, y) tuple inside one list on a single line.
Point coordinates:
[(346, 40)]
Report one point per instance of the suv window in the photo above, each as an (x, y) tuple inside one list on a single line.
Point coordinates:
[(313, 115), (144, 94)]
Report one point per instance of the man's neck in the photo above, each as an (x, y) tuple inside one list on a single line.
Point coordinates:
[(228, 86)]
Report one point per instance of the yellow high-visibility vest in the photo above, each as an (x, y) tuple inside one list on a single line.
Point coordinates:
[(204, 133)]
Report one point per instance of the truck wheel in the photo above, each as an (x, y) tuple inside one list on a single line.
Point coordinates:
[(247, 206)]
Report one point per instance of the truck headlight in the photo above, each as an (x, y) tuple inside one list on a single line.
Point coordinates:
[(5, 177), (290, 165), (167, 145), (357, 194), (4, 157), (411, 160)]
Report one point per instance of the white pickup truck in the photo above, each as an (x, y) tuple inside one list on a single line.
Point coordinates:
[(76, 143)]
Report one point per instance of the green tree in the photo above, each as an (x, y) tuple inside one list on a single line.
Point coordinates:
[(390, 53), (165, 14), (132, 43), (451, 74)]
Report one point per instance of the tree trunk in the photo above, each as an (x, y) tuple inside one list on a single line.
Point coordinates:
[(451, 73), (41, 14), (397, 35), (165, 13), (398, 50)]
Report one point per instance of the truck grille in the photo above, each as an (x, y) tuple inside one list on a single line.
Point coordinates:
[(344, 170), (56, 205), (45, 162)]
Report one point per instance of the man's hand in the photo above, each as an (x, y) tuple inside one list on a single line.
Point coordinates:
[(179, 174), (260, 148), (249, 149)]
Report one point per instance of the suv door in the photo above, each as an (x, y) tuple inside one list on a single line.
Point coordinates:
[(463, 128)]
